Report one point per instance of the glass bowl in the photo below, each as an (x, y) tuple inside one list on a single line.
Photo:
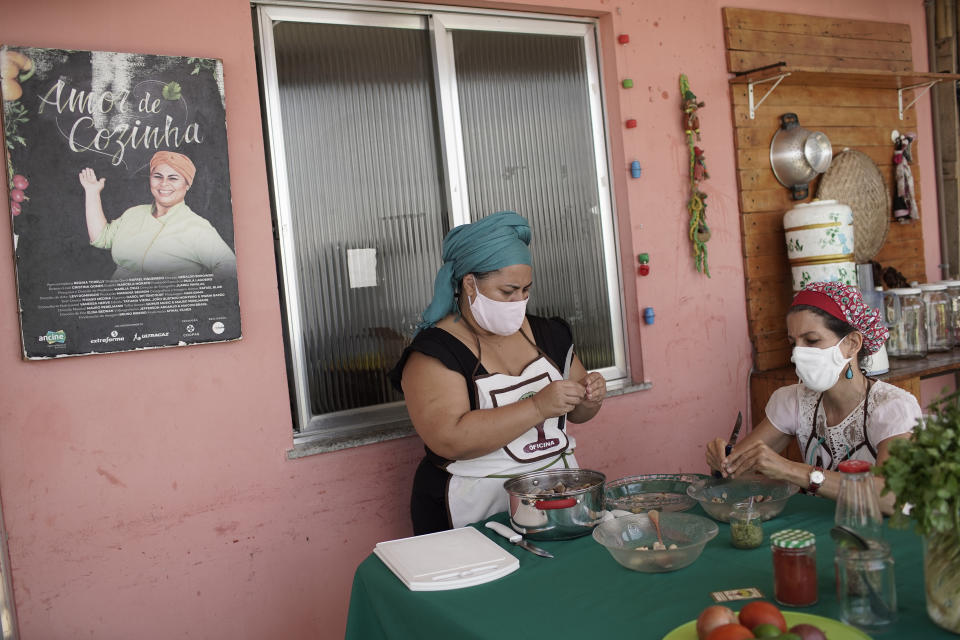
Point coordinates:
[(718, 496), (630, 540), (662, 491)]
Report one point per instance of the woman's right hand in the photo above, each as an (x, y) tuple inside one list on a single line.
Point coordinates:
[(89, 182), (716, 454), (558, 398)]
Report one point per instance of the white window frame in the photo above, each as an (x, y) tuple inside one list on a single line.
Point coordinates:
[(372, 424)]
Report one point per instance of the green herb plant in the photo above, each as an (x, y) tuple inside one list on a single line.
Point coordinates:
[(924, 472)]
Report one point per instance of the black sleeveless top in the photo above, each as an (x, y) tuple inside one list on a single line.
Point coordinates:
[(551, 335)]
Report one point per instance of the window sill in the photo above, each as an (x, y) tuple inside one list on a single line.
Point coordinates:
[(337, 441)]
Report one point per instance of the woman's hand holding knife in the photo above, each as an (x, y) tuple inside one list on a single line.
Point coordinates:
[(714, 448)]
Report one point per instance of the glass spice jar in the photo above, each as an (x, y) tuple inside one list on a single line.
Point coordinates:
[(953, 292), (937, 302), (746, 528), (794, 567), (866, 589), (908, 335)]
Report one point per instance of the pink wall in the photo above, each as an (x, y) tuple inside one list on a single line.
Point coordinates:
[(147, 495)]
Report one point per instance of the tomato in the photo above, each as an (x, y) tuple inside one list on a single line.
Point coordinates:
[(17, 195), (713, 617), (730, 632), (760, 612), (15, 208), (19, 182)]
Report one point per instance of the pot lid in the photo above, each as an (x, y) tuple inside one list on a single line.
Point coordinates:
[(817, 151), (854, 179)]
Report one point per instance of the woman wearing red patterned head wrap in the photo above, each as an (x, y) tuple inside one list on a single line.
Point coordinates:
[(165, 238), (835, 413)]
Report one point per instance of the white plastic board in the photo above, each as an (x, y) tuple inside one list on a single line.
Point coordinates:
[(446, 560)]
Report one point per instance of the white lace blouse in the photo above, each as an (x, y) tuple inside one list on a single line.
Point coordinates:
[(890, 412)]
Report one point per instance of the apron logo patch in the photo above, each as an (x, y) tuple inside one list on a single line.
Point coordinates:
[(542, 442)]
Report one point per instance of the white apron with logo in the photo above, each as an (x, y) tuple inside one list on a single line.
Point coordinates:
[(476, 486)]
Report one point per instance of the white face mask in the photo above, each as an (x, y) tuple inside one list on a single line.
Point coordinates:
[(819, 369), (501, 318)]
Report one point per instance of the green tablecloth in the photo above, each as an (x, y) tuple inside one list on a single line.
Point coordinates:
[(583, 592)]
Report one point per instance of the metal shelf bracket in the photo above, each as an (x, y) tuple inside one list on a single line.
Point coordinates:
[(924, 85), (754, 106)]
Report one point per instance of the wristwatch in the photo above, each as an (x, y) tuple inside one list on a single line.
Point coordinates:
[(816, 478)]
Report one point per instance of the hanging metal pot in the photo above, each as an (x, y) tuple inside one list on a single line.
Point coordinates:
[(797, 155)]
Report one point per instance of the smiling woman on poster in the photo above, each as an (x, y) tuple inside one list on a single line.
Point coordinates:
[(165, 238)]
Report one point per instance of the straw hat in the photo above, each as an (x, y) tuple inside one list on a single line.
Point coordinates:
[(855, 180)]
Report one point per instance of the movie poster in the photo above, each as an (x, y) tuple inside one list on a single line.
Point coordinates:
[(119, 199)]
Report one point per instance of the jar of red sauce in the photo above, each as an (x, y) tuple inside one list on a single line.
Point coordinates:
[(794, 567)]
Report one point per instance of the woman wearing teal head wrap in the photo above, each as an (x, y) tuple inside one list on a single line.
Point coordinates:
[(491, 243), (489, 388)]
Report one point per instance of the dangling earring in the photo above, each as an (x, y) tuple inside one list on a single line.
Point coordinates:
[(849, 374)]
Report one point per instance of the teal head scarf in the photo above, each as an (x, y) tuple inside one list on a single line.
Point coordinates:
[(491, 243)]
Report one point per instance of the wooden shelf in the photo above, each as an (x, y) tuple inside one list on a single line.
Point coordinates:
[(866, 79), (824, 77)]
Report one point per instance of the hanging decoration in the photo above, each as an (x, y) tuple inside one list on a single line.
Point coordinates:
[(904, 201), (697, 204)]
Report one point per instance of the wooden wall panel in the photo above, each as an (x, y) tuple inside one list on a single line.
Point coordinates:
[(794, 23), (854, 117), (744, 60)]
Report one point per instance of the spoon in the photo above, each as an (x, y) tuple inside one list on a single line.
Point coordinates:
[(846, 537), (654, 516)]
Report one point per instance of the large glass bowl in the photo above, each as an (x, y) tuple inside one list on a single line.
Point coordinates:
[(630, 540), (717, 496), (661, 491)]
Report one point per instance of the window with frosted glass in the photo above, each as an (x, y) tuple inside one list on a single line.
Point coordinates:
[(384, 134), (527, 146), (359, 128)]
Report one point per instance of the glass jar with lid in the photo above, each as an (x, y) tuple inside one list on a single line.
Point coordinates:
[(953, 291), (794, 567), (939, 321), (908, 334)]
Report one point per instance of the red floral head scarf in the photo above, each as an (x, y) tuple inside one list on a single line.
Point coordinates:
[(846, 303)]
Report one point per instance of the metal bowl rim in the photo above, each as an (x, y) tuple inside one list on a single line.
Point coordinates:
[(686, 478), (599, 480)]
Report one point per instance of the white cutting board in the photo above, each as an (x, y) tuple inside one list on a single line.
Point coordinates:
[(446, 559)]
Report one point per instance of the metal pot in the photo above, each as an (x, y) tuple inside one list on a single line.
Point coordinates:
[(541, 512), (797, 155)]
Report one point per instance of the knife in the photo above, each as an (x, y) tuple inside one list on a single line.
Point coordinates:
[(517, 539), (736, 432), (732, 441)]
